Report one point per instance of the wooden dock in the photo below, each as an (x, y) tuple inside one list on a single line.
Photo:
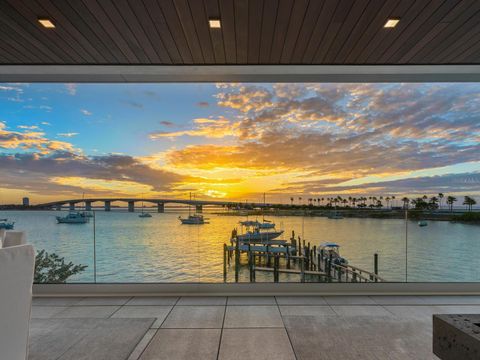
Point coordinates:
[(293, 257)]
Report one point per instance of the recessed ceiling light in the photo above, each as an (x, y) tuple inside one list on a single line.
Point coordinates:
[(391, 23), (46, 23), (214, 23)]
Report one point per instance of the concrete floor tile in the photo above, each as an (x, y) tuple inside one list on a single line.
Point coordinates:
[(252, 316), (251, 300), (46, 312), (202, 300), (104, 300), (360, 310), (398, 300), (301, 300), (183, 344), (306, 310), (153, 300), (102, 312), (56, 301), (157, 312), (258, 344), (199, 317), (349, 300)]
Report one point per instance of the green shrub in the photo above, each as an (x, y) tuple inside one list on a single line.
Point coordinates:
[(52, 269)]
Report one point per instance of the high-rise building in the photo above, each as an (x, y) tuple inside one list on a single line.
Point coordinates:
[(26, 201)]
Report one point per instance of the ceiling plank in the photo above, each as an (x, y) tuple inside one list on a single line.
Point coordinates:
[(297, 17), (200, 20), (213, 11), (169, 14), (227, 15), (241, 30), (115, 36), (280, 31), (255, 16), (188, 26)]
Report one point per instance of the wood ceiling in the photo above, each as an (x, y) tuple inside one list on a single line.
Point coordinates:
[(252, 32)]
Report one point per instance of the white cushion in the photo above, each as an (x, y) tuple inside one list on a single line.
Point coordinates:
[(16, 278), (2, 237), (14, 238)]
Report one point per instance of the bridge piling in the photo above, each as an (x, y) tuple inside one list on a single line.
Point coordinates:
[(88, 205), (199, 208), (161, 207), (72, 206), (107, 205), (131, 206)]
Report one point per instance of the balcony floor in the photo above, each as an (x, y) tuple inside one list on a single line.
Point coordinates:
[(282, 327)]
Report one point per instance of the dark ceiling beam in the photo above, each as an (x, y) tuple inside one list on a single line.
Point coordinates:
[(240, 73)]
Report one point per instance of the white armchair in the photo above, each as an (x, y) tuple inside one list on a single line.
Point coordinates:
[(16, 278), (14, 238)]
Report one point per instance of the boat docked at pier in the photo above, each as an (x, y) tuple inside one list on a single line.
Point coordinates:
[(73, 218), (6, 225), (332, 250), (253, 232)]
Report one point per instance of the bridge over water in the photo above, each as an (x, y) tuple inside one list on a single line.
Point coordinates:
[(131, 203)]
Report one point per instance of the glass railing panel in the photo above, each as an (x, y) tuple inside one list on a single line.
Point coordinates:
[(442, 247), (136, 249), (62, 242)]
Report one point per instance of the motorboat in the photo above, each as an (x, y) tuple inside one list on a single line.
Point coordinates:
[(422, 223), (6, 225), (254, 231), (145, 215), (73, 218), (193, 220), (257, 235), (330, 249), (335, 216)]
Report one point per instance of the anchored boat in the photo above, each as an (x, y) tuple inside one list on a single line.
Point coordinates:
[(195, 219), (5, 224), (73, 218)]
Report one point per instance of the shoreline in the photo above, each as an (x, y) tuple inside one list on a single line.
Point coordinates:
[(414, 215)]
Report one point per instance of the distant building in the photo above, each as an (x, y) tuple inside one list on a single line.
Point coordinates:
[(26, 201)]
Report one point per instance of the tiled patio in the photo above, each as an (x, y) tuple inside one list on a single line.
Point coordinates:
[(282, 327)]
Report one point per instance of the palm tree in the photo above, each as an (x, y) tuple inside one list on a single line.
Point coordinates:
[(291, 201), (393, 198), (450, 201), (405, 200), (387, 199), (469, 201), (299, 200), (440, 196)]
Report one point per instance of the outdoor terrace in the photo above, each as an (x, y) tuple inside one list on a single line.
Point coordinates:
[(268, 327)]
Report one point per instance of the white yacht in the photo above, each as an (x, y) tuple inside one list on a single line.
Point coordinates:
[(73, 218)]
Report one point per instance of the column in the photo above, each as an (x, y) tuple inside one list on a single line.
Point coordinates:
[(161, 207), (107, 205)]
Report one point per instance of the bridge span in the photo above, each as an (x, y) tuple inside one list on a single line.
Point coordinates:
[(131, 203)]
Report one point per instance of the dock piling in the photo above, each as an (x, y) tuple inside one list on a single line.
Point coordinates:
[(375, 265)]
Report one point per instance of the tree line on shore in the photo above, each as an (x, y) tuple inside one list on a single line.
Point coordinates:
[(374, 202)]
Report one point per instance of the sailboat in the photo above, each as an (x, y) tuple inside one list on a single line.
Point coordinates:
[(265, 224), (144, 214), (195, 219)]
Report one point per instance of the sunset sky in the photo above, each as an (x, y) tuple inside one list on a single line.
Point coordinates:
[(237, 141)]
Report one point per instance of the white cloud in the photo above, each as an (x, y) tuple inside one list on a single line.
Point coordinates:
[(71, 88), (86, 112), (68, 135), (29, 127)]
